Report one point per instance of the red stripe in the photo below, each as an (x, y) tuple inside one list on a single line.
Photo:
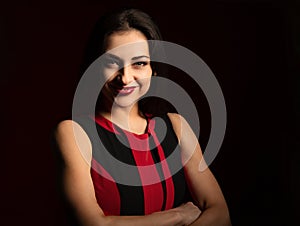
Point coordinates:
[(106, 190), (167, 174), (153, 193)]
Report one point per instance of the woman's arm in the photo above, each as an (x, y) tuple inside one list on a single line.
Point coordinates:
[(78, 187), (203, 186)]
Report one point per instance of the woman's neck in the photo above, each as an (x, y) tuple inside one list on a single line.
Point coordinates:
[(129, 118)]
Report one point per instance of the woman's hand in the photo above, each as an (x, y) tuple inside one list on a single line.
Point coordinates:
[(188, 212)]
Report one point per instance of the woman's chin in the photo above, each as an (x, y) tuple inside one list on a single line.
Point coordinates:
[(121, 102)]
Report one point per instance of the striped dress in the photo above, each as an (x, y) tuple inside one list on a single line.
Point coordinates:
[(136, 174)]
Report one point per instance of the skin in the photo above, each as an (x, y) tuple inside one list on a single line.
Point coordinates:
[(209, 206)]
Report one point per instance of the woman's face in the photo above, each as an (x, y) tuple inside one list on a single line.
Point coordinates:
[(127, 68)]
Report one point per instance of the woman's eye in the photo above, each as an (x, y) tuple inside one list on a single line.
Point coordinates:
[(140, 63), (112, 63)]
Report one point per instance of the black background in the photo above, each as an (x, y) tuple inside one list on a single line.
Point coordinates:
[(251, 46)]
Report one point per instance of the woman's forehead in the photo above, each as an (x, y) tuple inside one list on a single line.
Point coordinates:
[(127, 44)]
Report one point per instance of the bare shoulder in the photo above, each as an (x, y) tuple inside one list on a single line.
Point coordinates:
[(72, 141), (65, 129), (177, 122), (174, 117)]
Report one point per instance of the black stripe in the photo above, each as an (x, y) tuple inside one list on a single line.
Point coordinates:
[(170, 146), (132, 200)]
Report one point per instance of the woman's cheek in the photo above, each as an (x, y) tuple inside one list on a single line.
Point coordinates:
[(145, 85)]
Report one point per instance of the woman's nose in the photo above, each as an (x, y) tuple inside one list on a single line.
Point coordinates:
[(127, 75)]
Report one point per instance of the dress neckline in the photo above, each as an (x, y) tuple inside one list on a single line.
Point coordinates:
[(114, 128)]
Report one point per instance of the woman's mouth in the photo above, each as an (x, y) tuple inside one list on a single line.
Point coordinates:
[(125, 90)]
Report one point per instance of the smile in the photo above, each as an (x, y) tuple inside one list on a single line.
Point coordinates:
[(126, 90), (123, 90)]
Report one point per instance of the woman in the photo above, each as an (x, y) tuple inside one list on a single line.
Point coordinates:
[(161, 196)]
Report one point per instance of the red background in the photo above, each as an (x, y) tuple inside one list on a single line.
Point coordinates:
[(251, 46)]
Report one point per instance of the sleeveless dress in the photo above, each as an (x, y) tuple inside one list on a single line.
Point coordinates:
[(136, 174)]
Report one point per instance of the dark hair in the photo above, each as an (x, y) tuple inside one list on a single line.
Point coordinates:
[(116, 21)]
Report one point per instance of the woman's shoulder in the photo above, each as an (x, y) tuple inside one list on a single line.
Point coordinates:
[(80, 124), (69, 129), (177, 122), (64, 124), (176, 119), (66, 127), (70, 137)]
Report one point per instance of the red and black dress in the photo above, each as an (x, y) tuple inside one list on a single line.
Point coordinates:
[(136, 174)]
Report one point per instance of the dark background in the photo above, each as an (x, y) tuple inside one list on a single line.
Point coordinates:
[(251, 46)]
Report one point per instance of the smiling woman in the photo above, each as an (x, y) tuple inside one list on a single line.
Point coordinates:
[(130, 135)]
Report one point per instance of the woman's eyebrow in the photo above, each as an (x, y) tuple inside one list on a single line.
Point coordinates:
[(109, 55), (120, 59), (138, 57)]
